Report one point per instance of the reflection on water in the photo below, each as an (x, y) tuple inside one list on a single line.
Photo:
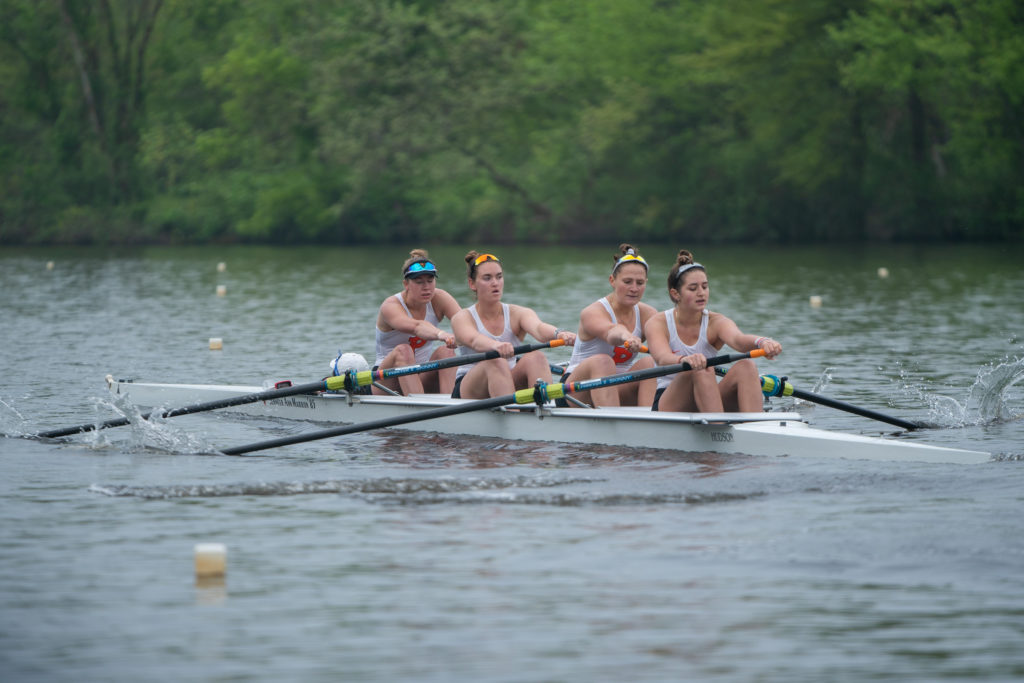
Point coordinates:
[(211, 591)]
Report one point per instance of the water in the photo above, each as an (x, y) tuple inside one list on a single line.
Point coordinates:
[(403, 556)]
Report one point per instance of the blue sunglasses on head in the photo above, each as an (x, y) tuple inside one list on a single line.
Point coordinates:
[(421, 268)]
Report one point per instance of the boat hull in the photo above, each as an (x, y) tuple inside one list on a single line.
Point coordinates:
[(759, 434)]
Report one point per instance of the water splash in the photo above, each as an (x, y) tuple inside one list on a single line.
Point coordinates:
[(992, 398), (12, 422), (993, 391), (155, 433), (823, 381)]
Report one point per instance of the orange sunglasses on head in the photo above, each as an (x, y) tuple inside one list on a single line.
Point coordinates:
[(483, 258)]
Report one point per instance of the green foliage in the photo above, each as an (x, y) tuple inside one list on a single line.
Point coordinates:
[(509, 120)]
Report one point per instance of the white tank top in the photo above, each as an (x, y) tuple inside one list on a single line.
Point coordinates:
[(506, 336), (702, 346), (387, 341), (624, 358)]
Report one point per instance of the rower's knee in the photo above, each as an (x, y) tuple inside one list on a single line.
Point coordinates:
[(404, 355), (744, 367), (601, 365), (703, 377), (494, 366)]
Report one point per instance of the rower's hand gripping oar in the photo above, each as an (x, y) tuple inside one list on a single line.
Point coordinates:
[(346, 382), (538, 394), (780, 386)]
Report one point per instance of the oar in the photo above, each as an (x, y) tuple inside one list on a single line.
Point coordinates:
[(538, 394), (780, 386), (346, 382), (774, 386)]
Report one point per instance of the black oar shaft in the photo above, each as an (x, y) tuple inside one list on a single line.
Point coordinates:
[(787, 389), (430, 414), (254, 397), (863, 412)]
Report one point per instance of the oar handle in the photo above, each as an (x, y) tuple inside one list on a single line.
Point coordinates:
[(365, 378)]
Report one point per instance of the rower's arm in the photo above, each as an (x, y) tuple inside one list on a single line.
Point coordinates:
[(727, 331), (656, 332)]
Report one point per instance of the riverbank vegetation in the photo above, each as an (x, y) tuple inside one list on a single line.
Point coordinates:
[(361, 121)]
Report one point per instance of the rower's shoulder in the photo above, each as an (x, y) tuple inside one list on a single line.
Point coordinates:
[(714, 316), (595, 307), (390, 303), (719, 321)]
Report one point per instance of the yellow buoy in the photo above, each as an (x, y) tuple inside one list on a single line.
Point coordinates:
[(883, 272), (216, 343), (221, 267), (222, 290), (49, 265), (211, 560), (815, 301)]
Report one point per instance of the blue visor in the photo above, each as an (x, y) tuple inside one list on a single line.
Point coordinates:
[(421, 268)]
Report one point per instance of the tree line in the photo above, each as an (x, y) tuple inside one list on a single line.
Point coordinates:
[(363, 121)]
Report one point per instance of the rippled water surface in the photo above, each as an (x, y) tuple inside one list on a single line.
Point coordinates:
[(432, 557)]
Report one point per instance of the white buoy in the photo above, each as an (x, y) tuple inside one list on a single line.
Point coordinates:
[(222, 290), (49, 265), (211, 560), (216, 343), (883, 272), (221, 267), (815, 301)]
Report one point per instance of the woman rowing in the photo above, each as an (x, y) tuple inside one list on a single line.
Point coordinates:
[(689, 333), (611, 335), (489, 325), (406, 324)]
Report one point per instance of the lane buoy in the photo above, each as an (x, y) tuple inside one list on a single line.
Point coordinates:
[(221, 267), (216, 343), (222, 290), (815, 301), (883, 272), (211, 560)]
